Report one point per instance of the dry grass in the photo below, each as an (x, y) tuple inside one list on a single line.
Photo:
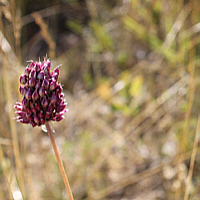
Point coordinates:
[(130, 72)]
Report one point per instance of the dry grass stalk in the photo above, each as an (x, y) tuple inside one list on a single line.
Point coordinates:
[(194, 151), (45, 33), (5, 172), (19, 167)]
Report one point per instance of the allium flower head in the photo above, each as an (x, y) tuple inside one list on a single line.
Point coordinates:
[(43, 98)]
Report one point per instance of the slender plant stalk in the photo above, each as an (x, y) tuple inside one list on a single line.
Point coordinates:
[(5, 173), (19, 166), (194, 151), (62, 170)]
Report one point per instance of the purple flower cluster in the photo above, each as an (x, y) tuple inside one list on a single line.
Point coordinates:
[(43, 98)]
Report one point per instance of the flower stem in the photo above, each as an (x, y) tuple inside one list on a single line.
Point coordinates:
[(62, 170)]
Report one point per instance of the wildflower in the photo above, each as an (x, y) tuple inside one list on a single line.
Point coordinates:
[(43, 98)]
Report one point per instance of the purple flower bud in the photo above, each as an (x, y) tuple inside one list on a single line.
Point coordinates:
[(25, 102), (50, 108), (21, 90), (38, 84), (27, 71), (28, 94), (62, 107), (32, 74), (46, 69), (40, 75), (59, 117), (25, 121), (47, 115), (22, 79), (48, 63), (45, 83), (56, 71), (53, 98), (42, 91), (28, 110), (43, 98), (41, 114), (32, 65), (21, 113), (53, 85), (44, 102), (59, 101), (36, 119), (37, 107), (38, 67), (29, 117), (35, 95), (42, 121), (61, 95), (33, 123), (19, 108), (31, 82), (55, 77), (59, 89)]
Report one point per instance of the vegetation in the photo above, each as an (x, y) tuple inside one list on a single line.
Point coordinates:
[(130, 73)]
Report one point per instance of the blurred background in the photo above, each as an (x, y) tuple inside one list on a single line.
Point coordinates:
[(130, 73)]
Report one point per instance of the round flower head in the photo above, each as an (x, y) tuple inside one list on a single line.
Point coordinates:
[(43, 98)]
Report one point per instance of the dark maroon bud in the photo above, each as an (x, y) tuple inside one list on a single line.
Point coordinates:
[(36, 119), (37, 107), (28, 95), (28, 110), (29, 117), (43, 64), (53, 85), (25, 121), (32, 74), (58, 101), (59, 89), (32, 65), (18, 104), (48, 63), (42, 121), (21, 113), (33, 124), (31, 82), (44, 102), (46, 69), (41, 114), (53, 98), (41, 91), (61, 95), (45, 83), (27, 71), (35, 95), (22, 79), (56, 71), (55, 77), (19, 108), (25, 102), (38, 84), (38, 67), (50, 108), (62, 107), (33, 109), (59, 117), (40, 75), (21, 90), (47, 115)]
